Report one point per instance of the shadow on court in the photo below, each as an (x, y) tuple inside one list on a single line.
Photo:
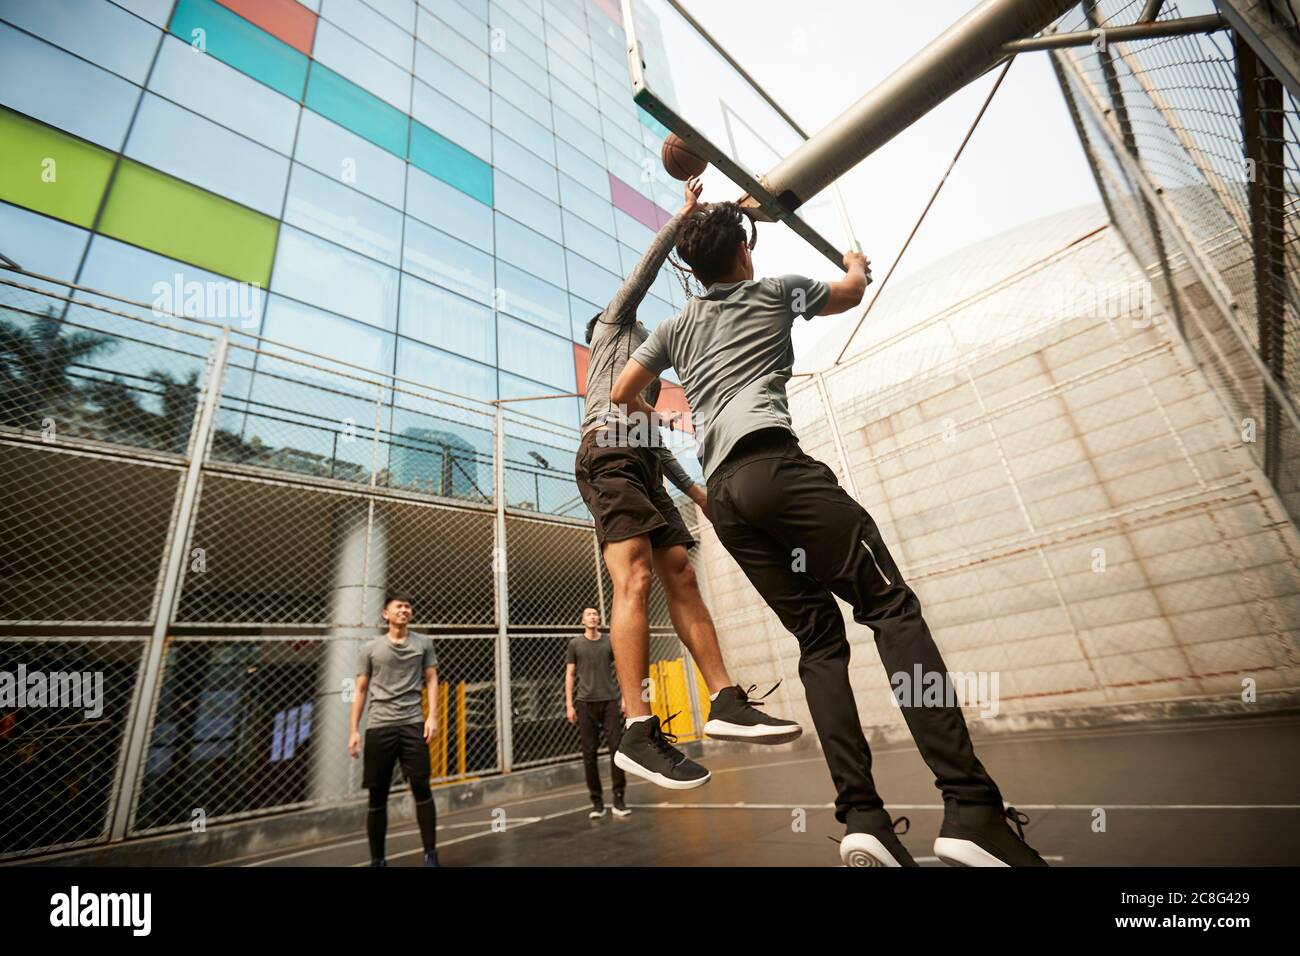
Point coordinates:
[(1213, 792)]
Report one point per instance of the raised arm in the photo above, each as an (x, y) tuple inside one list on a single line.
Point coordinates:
[(848, 292), (622, 308)]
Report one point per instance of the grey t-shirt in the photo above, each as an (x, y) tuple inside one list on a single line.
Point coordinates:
[(615, 334), (594, 664), (731, 348), (396, 673)]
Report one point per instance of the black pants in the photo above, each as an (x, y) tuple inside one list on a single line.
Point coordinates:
[(595, 717), (384, 748), (800, 538)]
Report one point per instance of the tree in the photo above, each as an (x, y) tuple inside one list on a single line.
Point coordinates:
[(37, 363)]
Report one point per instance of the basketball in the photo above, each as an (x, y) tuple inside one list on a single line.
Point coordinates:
[(680, 162)]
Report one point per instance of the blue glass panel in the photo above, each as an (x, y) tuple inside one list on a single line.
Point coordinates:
[(436, 256), (442, 158), (446, 207), (323, 274), (437, 317)]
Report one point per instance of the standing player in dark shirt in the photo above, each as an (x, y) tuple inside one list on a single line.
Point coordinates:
[(592, 702)]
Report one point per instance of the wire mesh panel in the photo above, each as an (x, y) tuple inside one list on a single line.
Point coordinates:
[(268, 553), (465, 744), (246, 726), (539, 466), (542, 733), (83, 535), (1195, 146), (64, 704), (551, 572), (441, 557)]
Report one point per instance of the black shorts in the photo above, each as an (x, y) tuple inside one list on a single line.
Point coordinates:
[(623, 488), (385, 746)]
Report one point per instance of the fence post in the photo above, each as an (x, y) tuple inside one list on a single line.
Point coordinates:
[(505, 704), (846, 470), (138, 723)]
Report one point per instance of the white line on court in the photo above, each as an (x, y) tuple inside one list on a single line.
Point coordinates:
[(475, 836), (939, 806), (405, 831)]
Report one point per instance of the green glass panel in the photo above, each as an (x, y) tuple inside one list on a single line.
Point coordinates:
[(51, 172), (176, 219)]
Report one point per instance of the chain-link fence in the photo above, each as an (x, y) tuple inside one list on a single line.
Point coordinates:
[(205, 522), (1195, 146)]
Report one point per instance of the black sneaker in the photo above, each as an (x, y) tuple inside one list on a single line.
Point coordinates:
[(620, 808), (871, 839), (981, 835), (430, 858), (648, 752), (734, 716), (597, 808)]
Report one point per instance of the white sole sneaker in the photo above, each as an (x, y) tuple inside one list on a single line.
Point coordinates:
[(862, 849), (752, 733), (623, 762), (622, 813), (956, 852), (593, 815)]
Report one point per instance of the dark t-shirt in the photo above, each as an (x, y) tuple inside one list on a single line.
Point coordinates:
[(594, 664)]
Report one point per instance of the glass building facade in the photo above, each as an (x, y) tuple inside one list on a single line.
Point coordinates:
[(444, 190)]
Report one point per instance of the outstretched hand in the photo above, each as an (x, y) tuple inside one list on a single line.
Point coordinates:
[(694, 186)]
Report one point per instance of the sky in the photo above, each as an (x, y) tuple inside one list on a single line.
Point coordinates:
[(1024, 161)]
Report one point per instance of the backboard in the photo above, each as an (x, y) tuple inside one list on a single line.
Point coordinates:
[(684, 79)]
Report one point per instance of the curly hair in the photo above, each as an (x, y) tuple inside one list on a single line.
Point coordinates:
[(707, 240)]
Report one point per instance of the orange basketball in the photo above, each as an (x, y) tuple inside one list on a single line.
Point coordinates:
[(679, 162)]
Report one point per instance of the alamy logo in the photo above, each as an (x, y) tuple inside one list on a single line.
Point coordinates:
[(923, 688), (57, 690), (75, 908)]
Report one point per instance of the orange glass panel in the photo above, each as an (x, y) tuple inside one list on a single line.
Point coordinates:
[(288, 20)]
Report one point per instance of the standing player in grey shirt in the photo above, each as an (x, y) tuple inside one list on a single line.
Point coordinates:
[(641, 532), (802, 541), (392, 669), (592, 704)]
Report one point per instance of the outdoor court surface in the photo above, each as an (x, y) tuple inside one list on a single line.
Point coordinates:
[(1206, 792)]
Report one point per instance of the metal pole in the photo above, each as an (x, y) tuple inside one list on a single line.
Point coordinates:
[(505, 705), (600, 581), (967, 50), (1268, 31), (849, 484), (1118, 34), (1264, 142), (175, 564)]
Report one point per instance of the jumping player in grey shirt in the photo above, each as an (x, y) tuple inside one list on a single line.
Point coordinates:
[(641, 532), (802, 541)]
